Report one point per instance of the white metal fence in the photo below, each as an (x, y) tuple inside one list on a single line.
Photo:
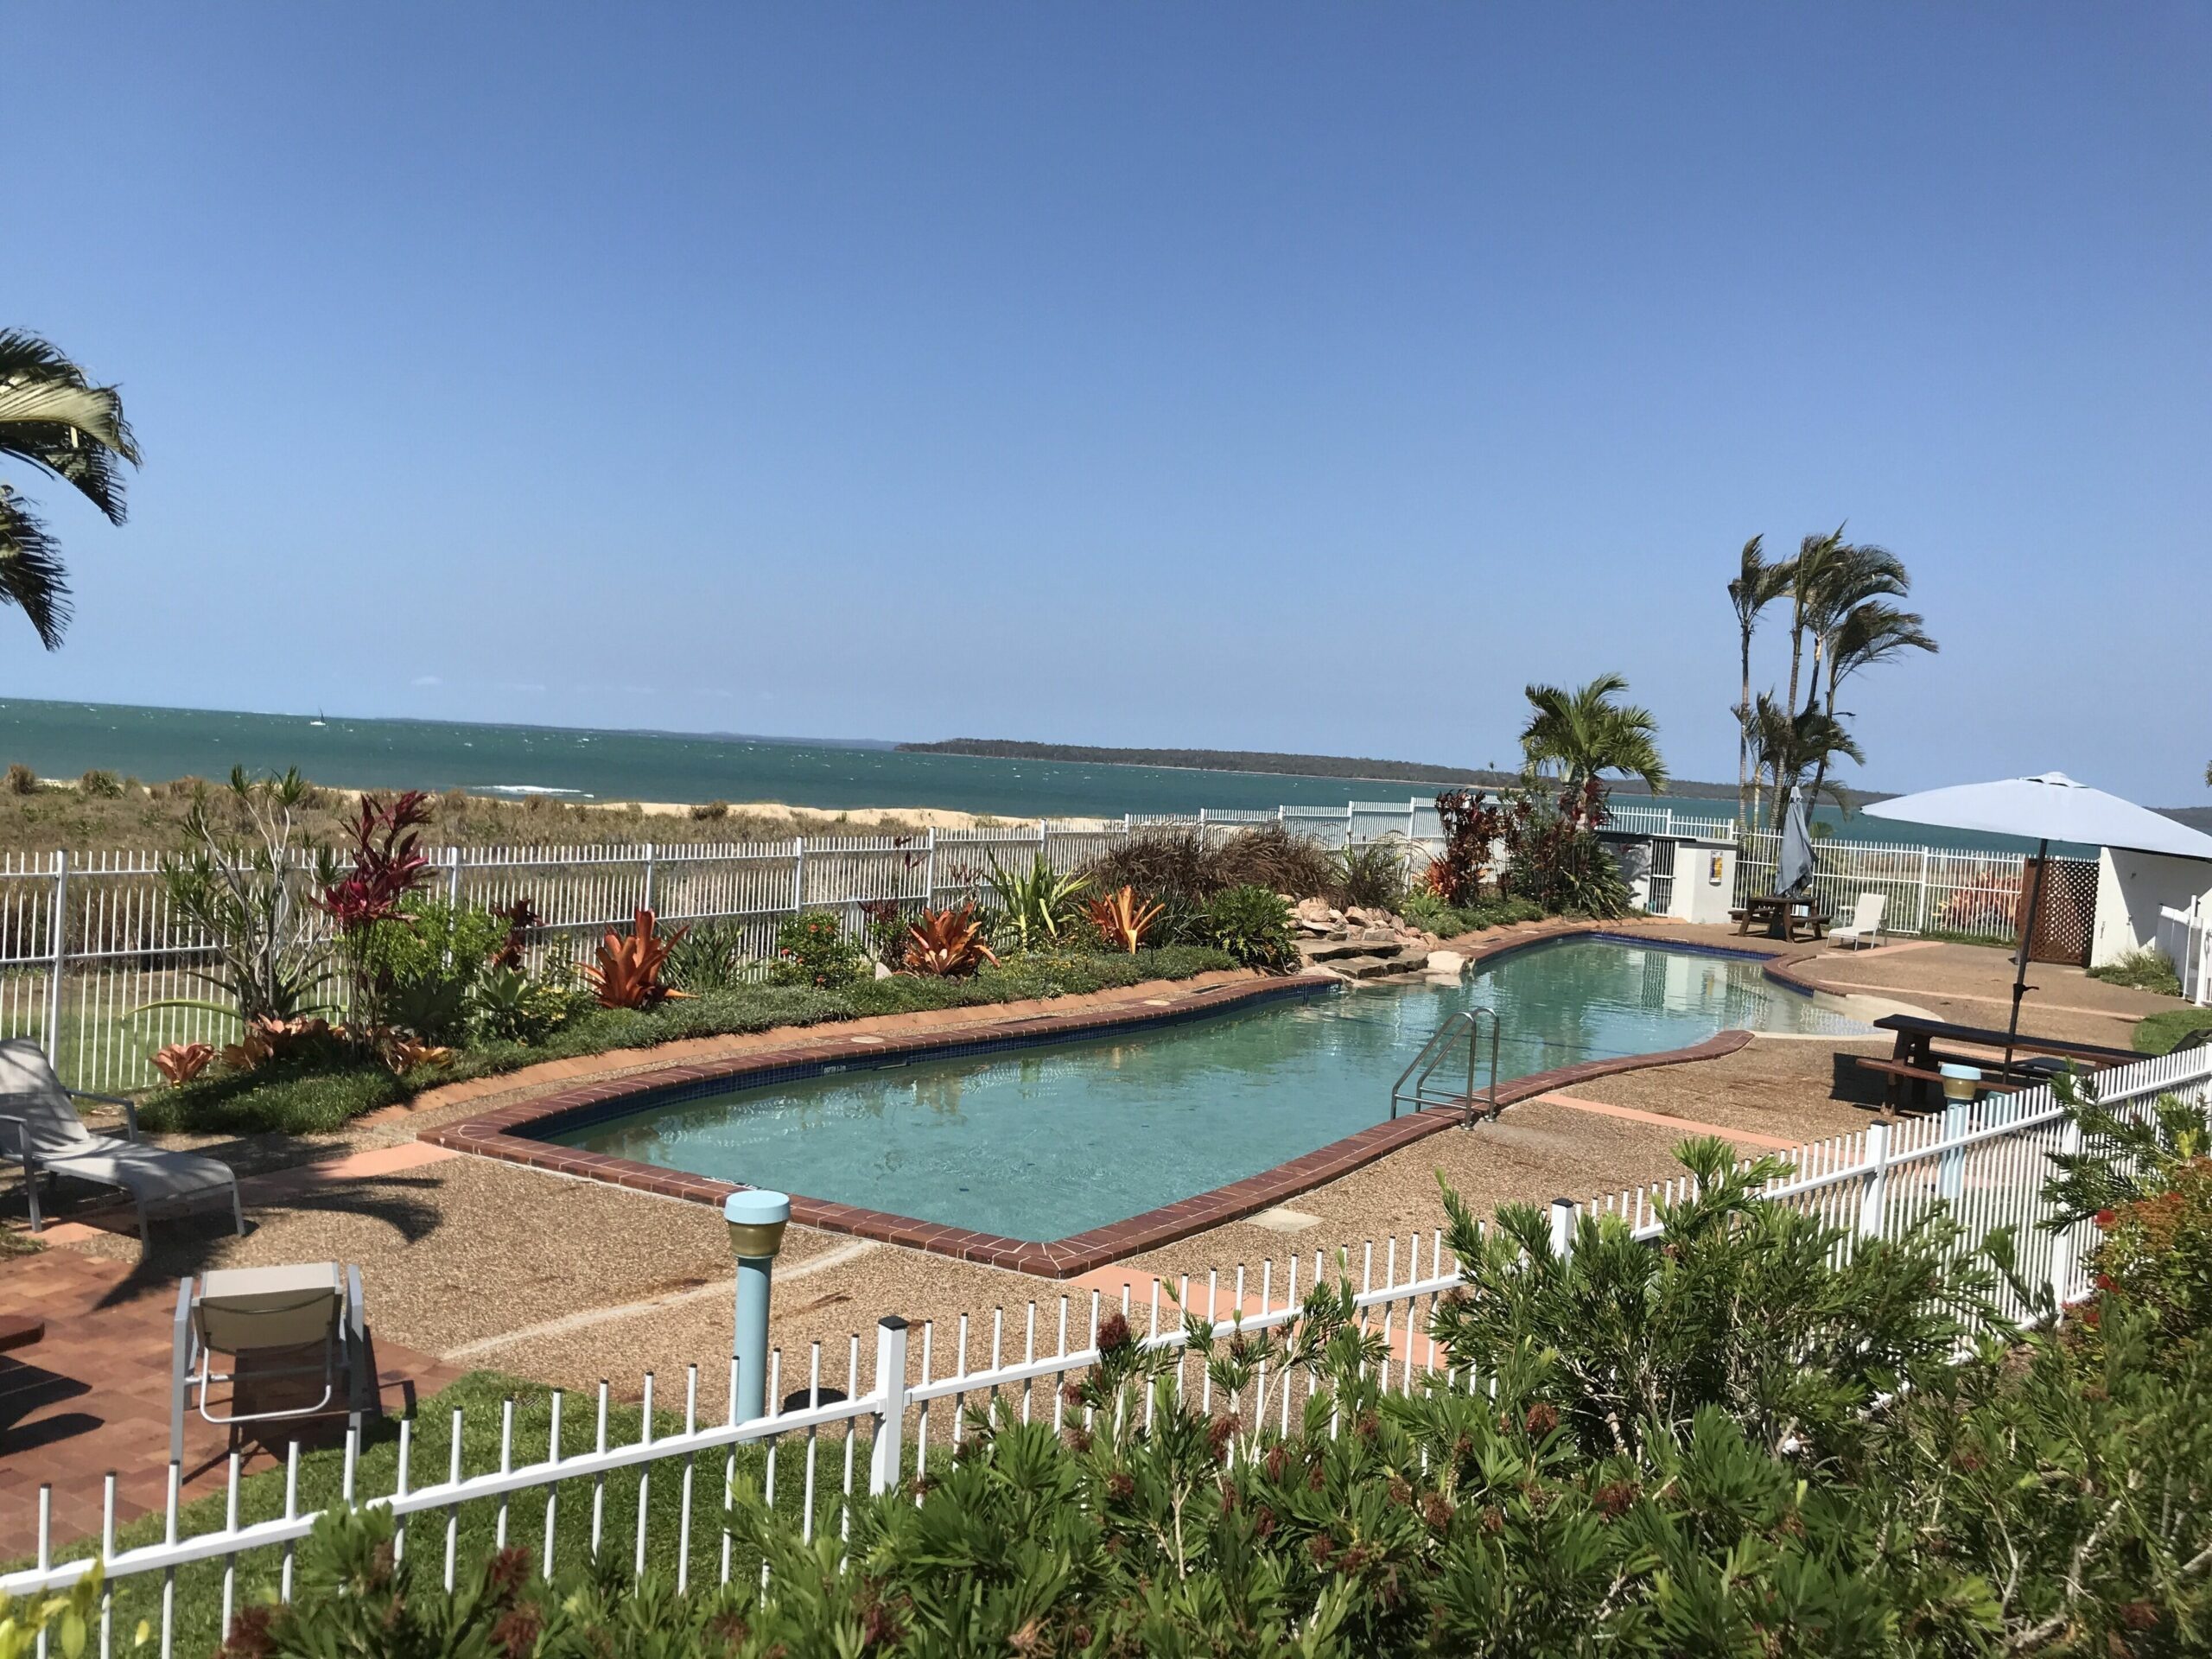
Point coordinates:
[(1988, 1163), (1929, 890)]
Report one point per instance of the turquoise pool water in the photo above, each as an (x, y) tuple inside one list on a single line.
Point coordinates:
[(1043, 1142)]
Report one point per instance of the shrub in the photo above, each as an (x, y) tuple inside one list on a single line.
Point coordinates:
[(21, 781), (304, 1093), (1448, 921), (1270, 856), (1253, 925), (811, 948), (1122, 919), (625, 972), (512, 1006), (1554, 859), (98, 784), (1038, 906), (1373, 876), (1701, 1445), (424, 964), (947, 943), (710, 956), (1473, 825), (1171, 864), (707, 812), (2149, 969)]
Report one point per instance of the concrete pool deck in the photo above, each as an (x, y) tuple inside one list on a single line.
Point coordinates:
[(483, 1263)]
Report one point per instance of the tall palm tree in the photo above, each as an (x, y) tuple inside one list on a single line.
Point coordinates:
[(1587, 733), (1872, 632), (54, 418), (1758, 585)]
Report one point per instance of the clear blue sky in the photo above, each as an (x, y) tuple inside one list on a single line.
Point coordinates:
[(1294, 377)]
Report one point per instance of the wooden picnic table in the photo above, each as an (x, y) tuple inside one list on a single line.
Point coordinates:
[(1776, 915), (1915, 1060)]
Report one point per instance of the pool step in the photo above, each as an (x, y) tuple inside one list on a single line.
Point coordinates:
[(1335, 951)]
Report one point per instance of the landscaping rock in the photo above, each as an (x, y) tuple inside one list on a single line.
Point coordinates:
[(1446, 962)]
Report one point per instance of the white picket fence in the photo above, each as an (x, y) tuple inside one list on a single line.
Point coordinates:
[(1988, 1163)]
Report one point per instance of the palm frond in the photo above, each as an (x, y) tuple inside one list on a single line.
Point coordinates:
[(53, 417), (32, 575)]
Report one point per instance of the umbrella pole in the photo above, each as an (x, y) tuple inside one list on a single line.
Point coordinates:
[(2020, 962)]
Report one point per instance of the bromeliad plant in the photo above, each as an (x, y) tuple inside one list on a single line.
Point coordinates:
[(947, 943), (1122, 919), (627, 972), (180, 1063)]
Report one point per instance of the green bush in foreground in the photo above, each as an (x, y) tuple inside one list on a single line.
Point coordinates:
[(293, 1099), (1253, 925), (1736, 1443), (1449, 921)]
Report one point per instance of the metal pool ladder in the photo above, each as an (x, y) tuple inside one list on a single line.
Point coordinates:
[(1418, 1087)]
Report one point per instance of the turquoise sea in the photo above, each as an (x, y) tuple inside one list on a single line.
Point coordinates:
[(61, 740)]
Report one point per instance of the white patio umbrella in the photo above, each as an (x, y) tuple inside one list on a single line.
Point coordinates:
[(2051, 807)]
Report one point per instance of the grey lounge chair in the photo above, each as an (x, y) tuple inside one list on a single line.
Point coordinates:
[(39, 1128)]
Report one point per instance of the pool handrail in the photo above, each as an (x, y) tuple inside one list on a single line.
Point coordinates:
[(1434, 1052)]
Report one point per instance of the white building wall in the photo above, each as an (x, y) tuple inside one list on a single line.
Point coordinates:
[(2130, 888)]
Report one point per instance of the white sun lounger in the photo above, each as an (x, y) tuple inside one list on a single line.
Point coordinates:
[(1866, 922), (40, 1128)]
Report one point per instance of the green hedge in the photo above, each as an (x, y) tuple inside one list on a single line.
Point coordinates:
[(298, 1099), (1750, 1440)]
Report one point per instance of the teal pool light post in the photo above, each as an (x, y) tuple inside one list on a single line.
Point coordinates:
[(756, 1233)]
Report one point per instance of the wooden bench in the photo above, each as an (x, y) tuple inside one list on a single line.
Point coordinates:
[(1921, 1077)]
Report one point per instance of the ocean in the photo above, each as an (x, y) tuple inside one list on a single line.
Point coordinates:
[(61, 740)]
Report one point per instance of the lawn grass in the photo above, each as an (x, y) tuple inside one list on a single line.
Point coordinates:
[(306, 1098), (2162, 1033), (480, 1396)]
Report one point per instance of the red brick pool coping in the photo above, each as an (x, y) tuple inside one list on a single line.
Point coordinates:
[(504, 1132)]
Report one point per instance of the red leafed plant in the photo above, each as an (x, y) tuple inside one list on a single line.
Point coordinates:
[(522, 919), (268, 1037), (1122, 919), (386, 866), (627, 973), (947, 943), (182, 1062)]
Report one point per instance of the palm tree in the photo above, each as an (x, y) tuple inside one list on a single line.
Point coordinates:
[(1785, 745), (1584, 733), (1758, 585), (52, 418), (1810, 575), (1871, 633)]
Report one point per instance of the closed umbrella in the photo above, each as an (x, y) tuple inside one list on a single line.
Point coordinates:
[(1794, 872), (2051, 807)]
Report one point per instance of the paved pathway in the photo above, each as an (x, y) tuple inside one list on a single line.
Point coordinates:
[(94, 1395)]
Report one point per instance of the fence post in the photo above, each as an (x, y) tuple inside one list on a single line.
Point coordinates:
[(928, 873), (649, 875), (1413, 815), (1563, 1228), (58, 932), (798, 874), (886, 1461), (1202, 829), (1922, 925), (1043, 827), (1876, 1193), (1279, 816), (2062, 1243), (1951, 1171)]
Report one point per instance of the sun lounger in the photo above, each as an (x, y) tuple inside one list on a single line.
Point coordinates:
[(297, 1337), (39, 1128), (1866, 924)]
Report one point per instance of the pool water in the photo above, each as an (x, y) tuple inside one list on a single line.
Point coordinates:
[(1044, 1142)]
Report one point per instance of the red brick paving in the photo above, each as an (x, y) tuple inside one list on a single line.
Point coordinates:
[(95, 1396)]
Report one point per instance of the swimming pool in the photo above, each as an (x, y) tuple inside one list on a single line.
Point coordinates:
[(1044, 1142)]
